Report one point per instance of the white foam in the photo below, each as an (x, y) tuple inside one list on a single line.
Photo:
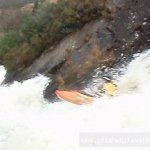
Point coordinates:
[(27, 122), (2, 73)]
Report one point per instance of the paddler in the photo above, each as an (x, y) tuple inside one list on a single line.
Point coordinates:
[(80, 98), (109, 87)]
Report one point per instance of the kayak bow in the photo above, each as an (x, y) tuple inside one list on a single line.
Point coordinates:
[(74, 97)]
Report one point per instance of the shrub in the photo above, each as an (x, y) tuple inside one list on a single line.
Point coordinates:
[(28, 27), (10, 40), (34, 24), (69, 16), (19, 58)]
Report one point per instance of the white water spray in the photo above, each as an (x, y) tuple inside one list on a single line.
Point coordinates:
[(28, 122)]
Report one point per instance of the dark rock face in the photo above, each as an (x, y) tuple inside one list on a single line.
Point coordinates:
[(88, 52), (76, 54), (125, 30), (127, 33), (132, 26)]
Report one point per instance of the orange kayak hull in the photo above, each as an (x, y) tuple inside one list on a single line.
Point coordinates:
[(74, 97)]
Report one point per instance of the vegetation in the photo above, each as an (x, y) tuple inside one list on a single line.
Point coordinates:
[(11, 39), (44, 28)]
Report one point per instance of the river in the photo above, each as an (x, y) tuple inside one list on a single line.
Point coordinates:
[(29, 122)]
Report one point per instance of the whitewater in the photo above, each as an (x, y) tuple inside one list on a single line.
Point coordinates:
[(29, 122)]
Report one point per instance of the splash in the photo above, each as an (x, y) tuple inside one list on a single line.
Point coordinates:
[(29, 122), (137, 76), (2, 74)]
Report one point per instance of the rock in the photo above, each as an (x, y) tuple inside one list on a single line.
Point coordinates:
[(101, 42), (49, 92), (131, 18), (76, 55)]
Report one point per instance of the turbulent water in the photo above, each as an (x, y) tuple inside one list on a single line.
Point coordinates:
[(28, 122)]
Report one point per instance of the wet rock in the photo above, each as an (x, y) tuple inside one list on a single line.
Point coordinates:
[(76, 56), (132, 26), (49, 92), (123, 30)]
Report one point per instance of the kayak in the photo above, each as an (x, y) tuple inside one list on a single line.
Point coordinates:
[(79, 98), (74, 97)]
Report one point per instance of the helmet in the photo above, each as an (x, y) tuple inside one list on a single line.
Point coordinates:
[(109, 88)]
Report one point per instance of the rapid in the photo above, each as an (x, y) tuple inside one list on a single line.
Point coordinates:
[(29, 122)]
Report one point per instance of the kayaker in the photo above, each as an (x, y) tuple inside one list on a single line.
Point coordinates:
[(109, 87)]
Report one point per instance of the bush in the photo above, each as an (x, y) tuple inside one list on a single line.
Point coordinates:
[(34, 24), (69, 16), (19, 58), (28, 27), (10, 40), (43, 16)]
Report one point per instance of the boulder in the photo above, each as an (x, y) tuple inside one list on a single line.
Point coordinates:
[(124, 29)]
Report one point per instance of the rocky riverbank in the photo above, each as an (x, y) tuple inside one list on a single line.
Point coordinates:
[(123, 28)]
